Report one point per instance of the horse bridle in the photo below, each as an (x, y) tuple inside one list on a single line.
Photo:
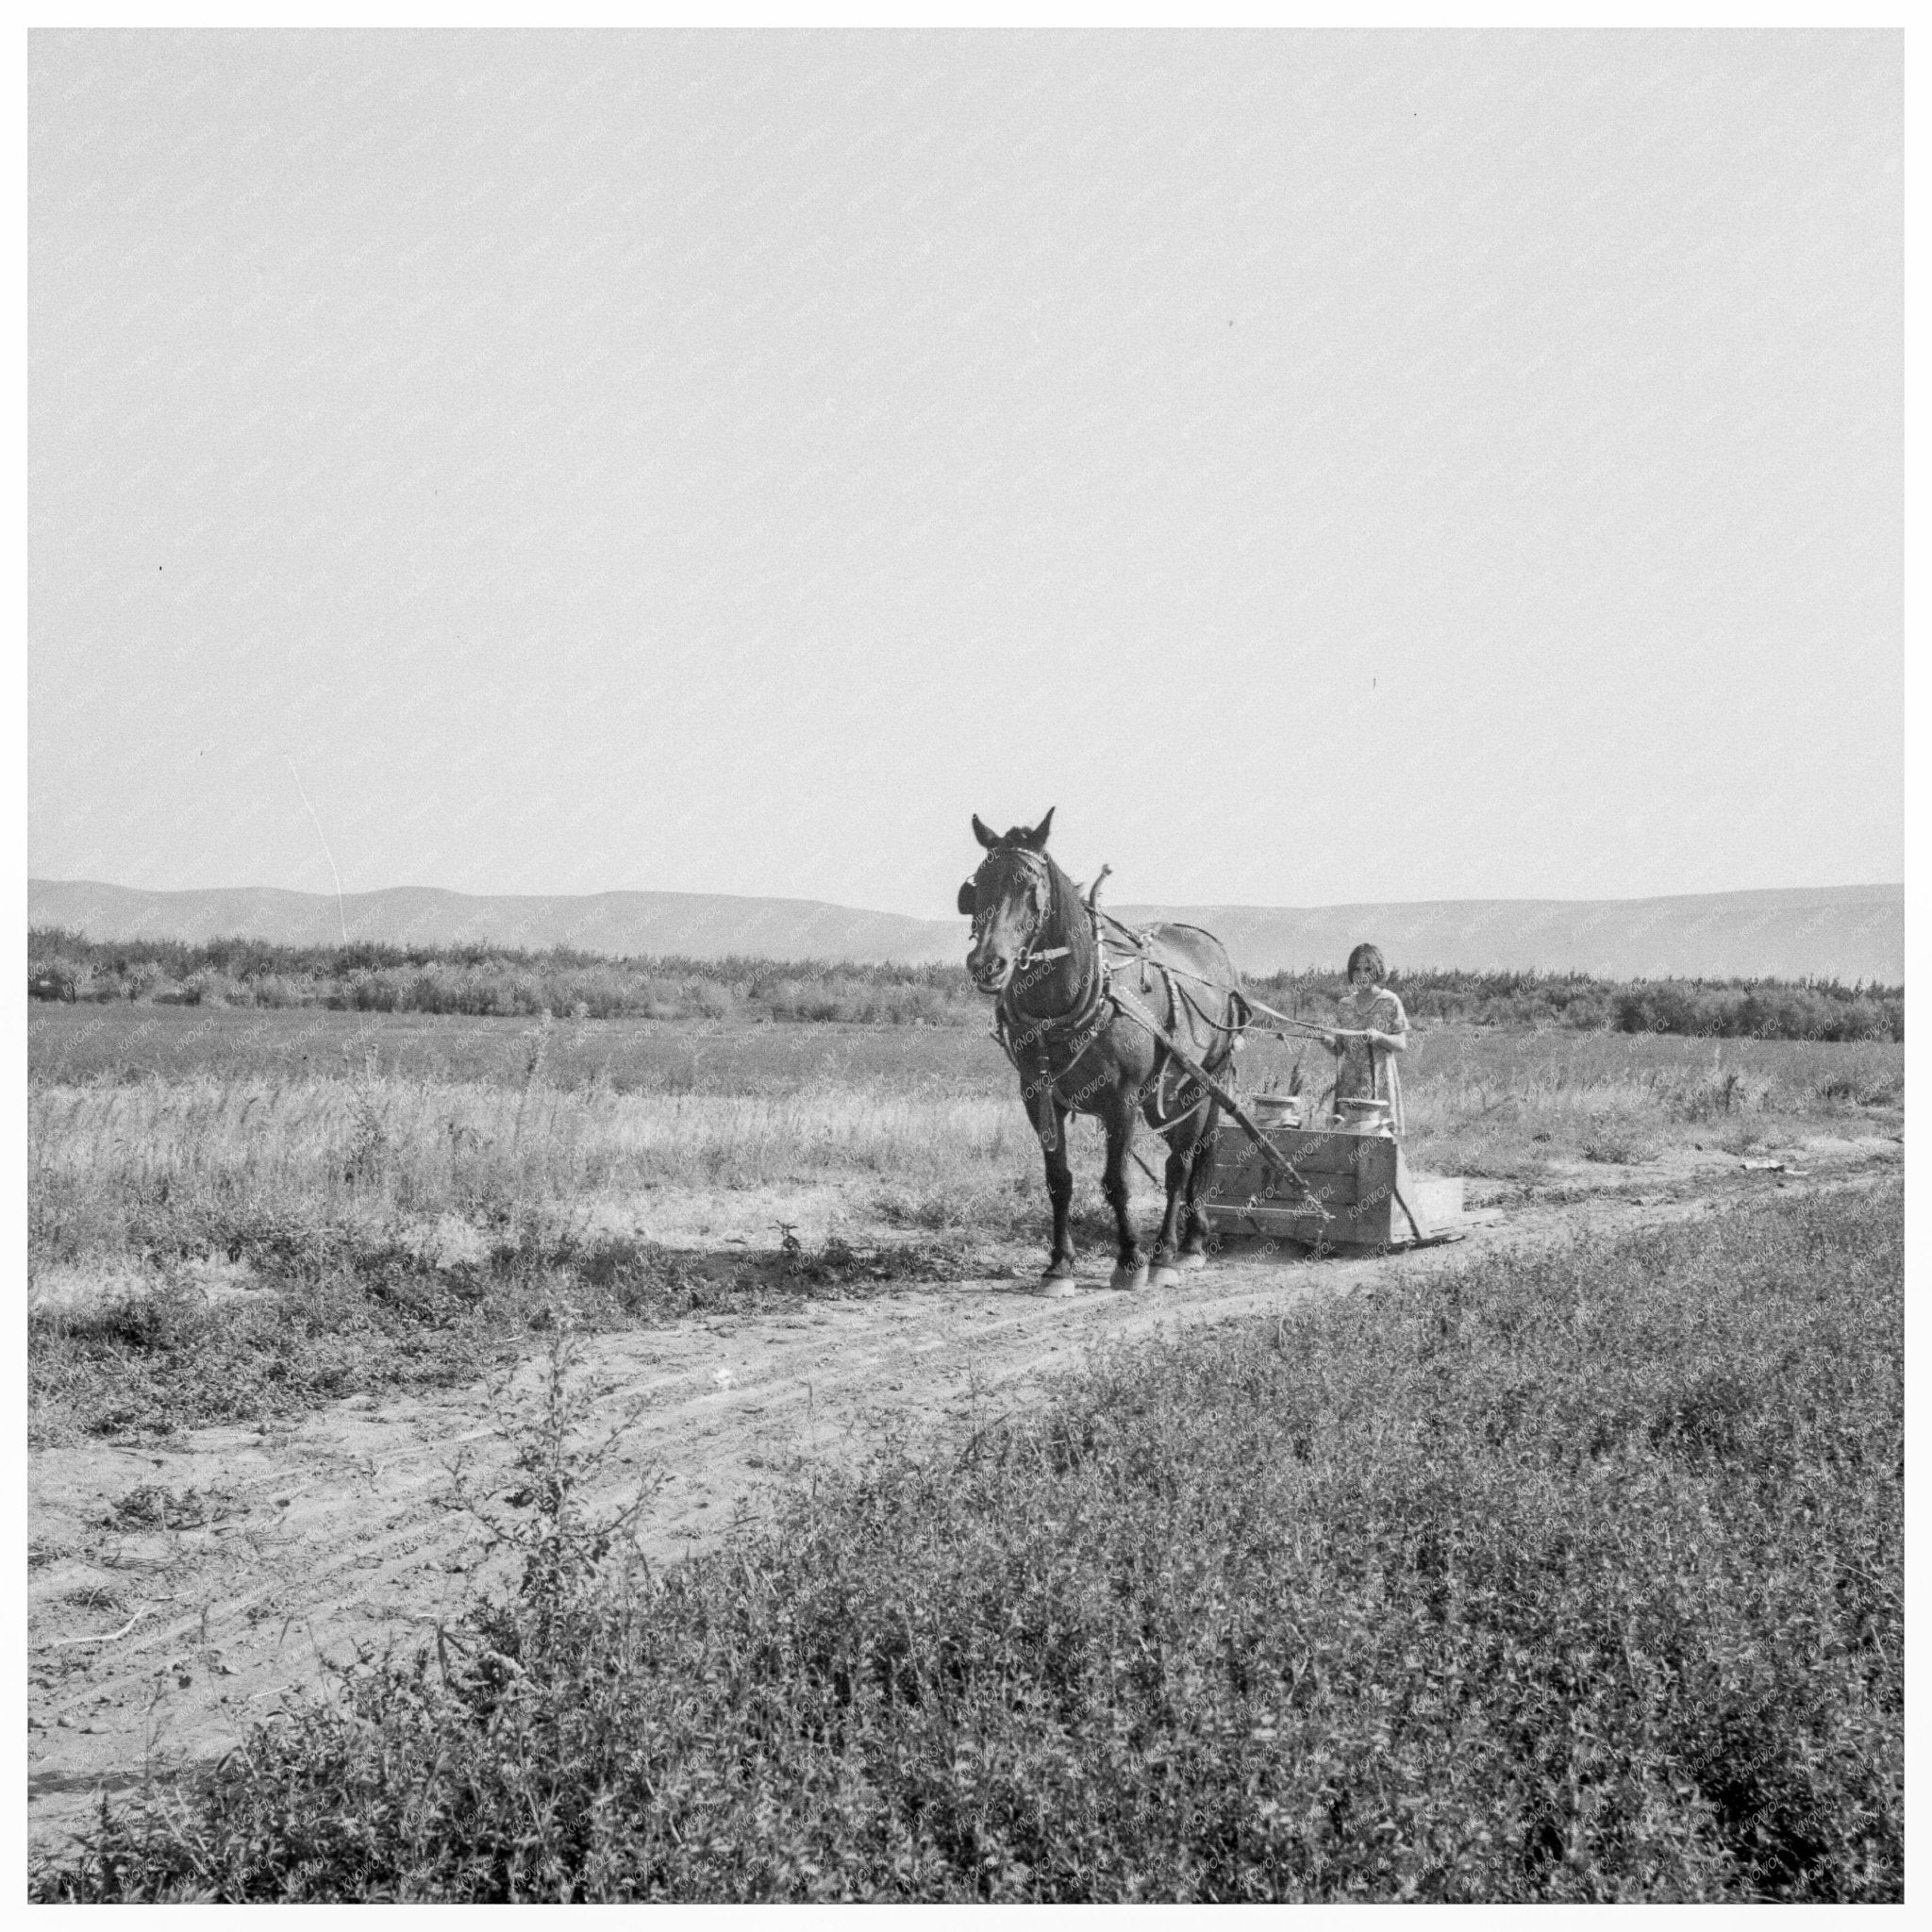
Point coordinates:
[(1037, 870), (1099, 992)]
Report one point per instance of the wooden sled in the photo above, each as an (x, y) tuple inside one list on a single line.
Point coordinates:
[(1352, 1191)]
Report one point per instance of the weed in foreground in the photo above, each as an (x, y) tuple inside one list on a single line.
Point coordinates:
[(1567, 1577), (1614, 1149)]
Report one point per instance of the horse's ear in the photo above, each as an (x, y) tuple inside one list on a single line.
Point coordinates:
[(968, 899), (1037, 836), (985, 838)]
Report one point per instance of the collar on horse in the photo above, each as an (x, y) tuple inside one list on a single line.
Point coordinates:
[(1099, 989), (1100, 1001), (1008, 1016)]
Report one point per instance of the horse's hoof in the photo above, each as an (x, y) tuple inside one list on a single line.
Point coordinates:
[(1129, 1277), (1165, 1275), (1190, 1260)]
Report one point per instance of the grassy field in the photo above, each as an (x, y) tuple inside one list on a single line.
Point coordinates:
[(233, 1213), (129, 1044), (1567, 1576)]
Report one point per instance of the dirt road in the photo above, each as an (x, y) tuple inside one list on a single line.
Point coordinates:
[(179, 1593)]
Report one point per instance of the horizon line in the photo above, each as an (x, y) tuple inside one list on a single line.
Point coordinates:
[(879, 912)]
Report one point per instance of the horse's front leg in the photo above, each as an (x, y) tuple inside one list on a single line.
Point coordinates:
[(1123, 1112), (1050, 1123)]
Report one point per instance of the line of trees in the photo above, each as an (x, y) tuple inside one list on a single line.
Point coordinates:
[(506, 982), (1709, 1009), (489, 981)]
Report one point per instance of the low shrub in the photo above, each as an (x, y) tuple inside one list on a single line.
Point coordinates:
[(1568, 1576), (1725, 1010), (339, 1312), (504, 982), (1743, 1010)]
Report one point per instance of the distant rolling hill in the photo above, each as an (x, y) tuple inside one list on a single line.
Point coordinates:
[(1842, 932), (701, 925), (1803, 932)]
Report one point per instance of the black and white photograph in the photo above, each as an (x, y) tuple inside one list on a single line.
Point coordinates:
[(965, 963)]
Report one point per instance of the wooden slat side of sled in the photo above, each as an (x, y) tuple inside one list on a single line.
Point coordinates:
[(1362, 1181)]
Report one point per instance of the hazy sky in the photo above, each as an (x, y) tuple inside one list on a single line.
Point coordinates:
[(1326, 466)]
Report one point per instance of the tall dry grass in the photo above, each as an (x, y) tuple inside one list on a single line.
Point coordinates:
[(108, 1166), (1509, 1106), (205, 1160)]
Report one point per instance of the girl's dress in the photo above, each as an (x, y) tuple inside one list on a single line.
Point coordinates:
[(1365, 1071)]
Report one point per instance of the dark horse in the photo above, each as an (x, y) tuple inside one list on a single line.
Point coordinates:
[(1073, 1005)]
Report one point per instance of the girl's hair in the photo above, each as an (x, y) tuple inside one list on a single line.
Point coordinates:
[(1370, 956)]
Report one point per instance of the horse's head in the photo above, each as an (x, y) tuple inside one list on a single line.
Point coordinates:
[(1006, 899)]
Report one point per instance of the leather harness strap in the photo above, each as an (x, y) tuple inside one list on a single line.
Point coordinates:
[(1090, 1018), (1092, 1014)]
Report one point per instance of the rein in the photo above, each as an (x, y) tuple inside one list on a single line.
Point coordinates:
[(1102, 1004), (1042, 870), (1099, 993)]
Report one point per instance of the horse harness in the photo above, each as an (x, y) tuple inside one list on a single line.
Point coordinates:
[(1100, 1004)]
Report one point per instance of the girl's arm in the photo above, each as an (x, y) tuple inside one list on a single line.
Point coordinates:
[(1398, 1041)]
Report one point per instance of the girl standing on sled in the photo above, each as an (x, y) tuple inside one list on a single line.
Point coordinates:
[(1373, 1030)]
